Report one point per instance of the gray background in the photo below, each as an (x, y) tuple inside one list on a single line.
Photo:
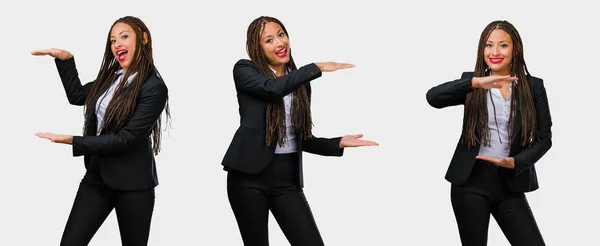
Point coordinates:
[(394, 194)]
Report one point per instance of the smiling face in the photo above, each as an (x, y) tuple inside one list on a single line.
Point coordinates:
[(275, 45), (122, 44), (498, 52)]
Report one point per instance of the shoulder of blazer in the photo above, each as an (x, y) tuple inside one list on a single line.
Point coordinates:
[(245, 62), (534, 80), (467, 75), (243, 68), (534, 83), (153, 81)]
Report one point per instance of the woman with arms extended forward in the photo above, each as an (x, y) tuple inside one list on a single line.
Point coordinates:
[(506, 130)]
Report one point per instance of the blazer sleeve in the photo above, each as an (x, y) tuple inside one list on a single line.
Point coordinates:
[(76, 93), (323, 146), (153, 98), (530, 155), (249, 80), (451, 93)]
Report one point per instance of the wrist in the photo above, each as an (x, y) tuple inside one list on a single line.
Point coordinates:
[(67, 56), (320, 66), (474, 83)]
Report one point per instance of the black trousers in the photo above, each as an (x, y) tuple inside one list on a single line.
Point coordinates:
[(94, 202), (275, 189), (485, 193)]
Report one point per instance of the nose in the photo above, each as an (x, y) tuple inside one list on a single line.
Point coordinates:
[(279, 43), (495, 51), (118, 44)]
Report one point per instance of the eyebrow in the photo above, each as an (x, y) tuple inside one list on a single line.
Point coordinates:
[(119, 33), (280, 30), (503, 41)]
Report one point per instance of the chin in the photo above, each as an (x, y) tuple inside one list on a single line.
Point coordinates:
[(495, 67), (501, 68), (124, 65)]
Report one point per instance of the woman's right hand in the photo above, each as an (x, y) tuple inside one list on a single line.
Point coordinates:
[(56, 53), (332, 66), (489, 82)]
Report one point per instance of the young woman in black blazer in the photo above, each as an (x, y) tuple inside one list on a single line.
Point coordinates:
[(506, 130), (123, 108), (264, 159)]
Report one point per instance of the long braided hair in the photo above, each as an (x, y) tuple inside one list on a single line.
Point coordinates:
[(123, 103), (475, 106), (300, 111)]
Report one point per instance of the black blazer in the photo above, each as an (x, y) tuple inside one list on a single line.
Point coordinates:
[(125, 159), (248, 152), (523, 178)]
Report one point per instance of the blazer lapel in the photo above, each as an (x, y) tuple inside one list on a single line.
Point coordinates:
[(516, 128), (517, 118), (516, 125), (91, 119)]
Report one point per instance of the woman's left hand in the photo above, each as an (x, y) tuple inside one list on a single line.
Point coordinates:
[(56, 138), (355, 141), (507, 162)]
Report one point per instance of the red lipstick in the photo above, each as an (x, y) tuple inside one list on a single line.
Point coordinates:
[(121, 54), (282, 52), (496, 60)]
